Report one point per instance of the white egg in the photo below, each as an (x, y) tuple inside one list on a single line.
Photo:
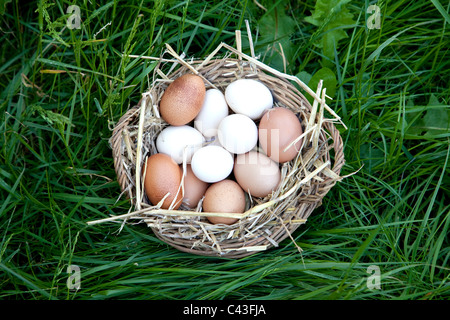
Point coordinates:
[(238, 133), (249, 97), (212, 164), (174, 140), (213, 110)]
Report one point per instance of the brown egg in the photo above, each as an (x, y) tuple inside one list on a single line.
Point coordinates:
[(277, 129), (194, 188), (224, 196), (182, 100), (163, 175), (256, 173)]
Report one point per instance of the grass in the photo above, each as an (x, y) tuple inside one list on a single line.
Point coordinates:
[(62, 90)]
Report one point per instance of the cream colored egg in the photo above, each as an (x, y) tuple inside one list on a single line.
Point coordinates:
[(256, 173)]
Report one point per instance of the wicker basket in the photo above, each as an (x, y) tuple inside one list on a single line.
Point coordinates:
[(304, 181)]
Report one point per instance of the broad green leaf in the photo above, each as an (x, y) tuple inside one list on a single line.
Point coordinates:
[(329, 82), (433, 120), (275, 28), (304, 76), (331, 17)]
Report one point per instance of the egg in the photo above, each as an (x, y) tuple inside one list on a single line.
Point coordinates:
[(238, 133), (278, 128), (162, 176), (182, 100), (213, 110), (212, 164), (256, 173), (194, 188), (175, 140), (249, 97), (224, 196)]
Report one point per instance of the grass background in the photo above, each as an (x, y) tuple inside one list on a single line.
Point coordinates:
[(62, 90)]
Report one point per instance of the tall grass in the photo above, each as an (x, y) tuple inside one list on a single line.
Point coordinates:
[(62, 90)]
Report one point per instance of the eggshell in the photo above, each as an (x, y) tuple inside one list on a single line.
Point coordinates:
[(238, 133), (162, 176), (256, 173), (173, 140), (249, 97), (213, 110), (212, 164), (194, 188), (224, 196), (278, 128), (182, 100)]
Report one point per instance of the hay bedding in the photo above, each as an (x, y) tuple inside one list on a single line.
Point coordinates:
[(304, 181)]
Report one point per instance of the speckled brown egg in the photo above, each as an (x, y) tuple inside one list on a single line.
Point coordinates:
[(194, 188), (162, 176), (224, 196), (182, 100), (278, 128)]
